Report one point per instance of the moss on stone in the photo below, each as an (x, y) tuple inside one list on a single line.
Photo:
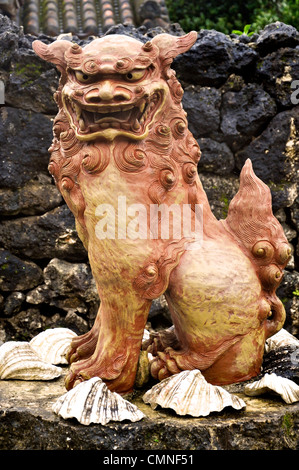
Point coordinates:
[(287, 423), (30, 72), (225, 202)]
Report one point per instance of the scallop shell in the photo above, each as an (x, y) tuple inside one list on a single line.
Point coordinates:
[(92, 402), (283, 361), (52, 345), (282, 356), (146, 335), (282, 338), (19, 361), (286, 388), (188, 393)]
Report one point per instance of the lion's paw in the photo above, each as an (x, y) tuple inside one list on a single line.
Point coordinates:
[(82, 347), (161, 340), (163, 365)]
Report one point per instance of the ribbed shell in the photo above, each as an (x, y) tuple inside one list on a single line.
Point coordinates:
[(283, 361), (146, 335), (282, 338), (287, 389), (282, 356), (92, 402), (53, 344), (19, 361), (188, 393)]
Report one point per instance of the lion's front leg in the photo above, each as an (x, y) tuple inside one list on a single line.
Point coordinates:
[(118, 345)]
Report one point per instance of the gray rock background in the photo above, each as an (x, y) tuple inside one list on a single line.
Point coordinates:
[(238, 97)]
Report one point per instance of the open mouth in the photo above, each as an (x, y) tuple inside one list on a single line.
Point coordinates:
[(90, 121)]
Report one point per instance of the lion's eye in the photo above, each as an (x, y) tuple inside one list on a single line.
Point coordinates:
[(81, 76), (135, 75)]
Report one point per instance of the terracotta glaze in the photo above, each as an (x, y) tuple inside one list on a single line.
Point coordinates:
[(121, 154)]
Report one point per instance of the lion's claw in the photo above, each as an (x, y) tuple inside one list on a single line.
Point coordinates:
[(163, 365)]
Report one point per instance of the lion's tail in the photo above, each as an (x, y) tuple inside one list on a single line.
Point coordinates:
[(260, 236)]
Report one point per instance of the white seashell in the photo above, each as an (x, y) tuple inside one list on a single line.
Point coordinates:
[(92, 402), (188, 393), (286, 388), (280, 339), (146, 335), (52, 345), (19, 361)]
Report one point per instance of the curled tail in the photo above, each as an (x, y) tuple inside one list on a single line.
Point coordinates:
[(260, 236)]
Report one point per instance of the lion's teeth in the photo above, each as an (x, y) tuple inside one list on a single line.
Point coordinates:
[(93, 120), (82, 125), (136, 126), (142, 106), (78, 111), (143, 117), (115, 125), (126, 108)]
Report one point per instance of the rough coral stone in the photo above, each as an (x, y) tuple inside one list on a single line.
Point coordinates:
[(45, 236), (213, 58), (274, 153), (244, 114), (202, 105), (24, 140), (276, 35), (216, 157), (277, 71), (16, 274), (35, 197)]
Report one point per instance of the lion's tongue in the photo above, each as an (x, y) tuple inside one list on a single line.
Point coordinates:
[(119, 115)]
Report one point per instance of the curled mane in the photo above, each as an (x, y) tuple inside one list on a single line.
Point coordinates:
[(168, 156)]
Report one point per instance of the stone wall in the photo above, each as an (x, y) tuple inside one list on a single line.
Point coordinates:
[(240, 105)]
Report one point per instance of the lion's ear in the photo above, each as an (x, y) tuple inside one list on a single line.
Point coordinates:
[(54, 53), (171, 46)]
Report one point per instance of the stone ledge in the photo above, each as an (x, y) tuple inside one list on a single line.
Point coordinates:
[(28, 423)]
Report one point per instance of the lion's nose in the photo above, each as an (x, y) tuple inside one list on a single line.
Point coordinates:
[(106, 92)]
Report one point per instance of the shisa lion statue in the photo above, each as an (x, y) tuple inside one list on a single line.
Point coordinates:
[(121, 153)]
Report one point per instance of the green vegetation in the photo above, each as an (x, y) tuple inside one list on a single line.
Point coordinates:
[(225, 202), (288, 423), (28, 72), (245, 31), (226, 17)]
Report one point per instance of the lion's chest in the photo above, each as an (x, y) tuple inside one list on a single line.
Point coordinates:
[(116, 243), (108, 196)]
